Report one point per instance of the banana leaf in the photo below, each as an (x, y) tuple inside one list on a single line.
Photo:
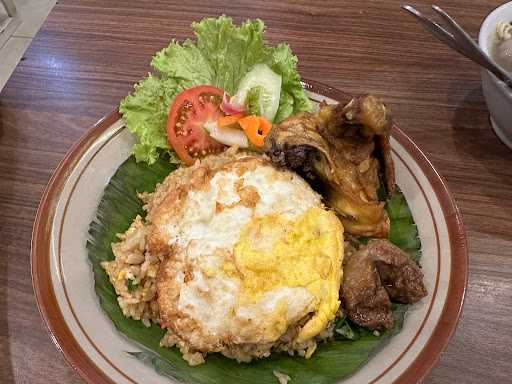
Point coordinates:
[(332, 360)]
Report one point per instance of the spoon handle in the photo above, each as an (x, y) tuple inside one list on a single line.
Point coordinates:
[(455, 37)]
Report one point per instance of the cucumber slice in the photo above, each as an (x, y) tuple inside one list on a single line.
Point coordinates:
[(259, 91)]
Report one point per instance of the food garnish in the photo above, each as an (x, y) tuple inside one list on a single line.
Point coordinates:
[(228, 135), (230, 108), (190, 111), (260, 91), (221, 55), (227, 120), (256, 128)]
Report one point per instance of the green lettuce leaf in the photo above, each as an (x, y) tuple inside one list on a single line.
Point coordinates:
[(221, 55), (145, 114), (231, 50), (293, 98), (184, 63)]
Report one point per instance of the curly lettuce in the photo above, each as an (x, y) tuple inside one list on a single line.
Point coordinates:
[(221, 54)]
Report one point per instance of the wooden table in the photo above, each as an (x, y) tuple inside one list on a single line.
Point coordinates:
[(88, 55)]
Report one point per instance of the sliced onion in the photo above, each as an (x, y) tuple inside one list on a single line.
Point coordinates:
[(230, 108), (227, 136)]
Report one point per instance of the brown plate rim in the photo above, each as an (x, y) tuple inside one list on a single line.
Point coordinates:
[(78, 359)]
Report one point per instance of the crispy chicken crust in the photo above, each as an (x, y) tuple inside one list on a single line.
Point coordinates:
[(344, 147)]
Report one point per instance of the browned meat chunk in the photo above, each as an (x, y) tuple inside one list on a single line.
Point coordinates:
[(374, 274), (341, 148), (401, 277), (364, 298)]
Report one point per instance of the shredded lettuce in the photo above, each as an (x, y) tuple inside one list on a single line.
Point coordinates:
[(221, 55)]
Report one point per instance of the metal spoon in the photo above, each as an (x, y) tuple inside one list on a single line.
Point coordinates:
[(458, 39)]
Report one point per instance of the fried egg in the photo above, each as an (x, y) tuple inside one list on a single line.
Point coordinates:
[(250, 251)]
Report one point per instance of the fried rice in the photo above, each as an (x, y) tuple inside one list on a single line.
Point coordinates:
[(133, 275)]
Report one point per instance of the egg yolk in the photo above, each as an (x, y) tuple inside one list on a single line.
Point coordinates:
[(273, 252)]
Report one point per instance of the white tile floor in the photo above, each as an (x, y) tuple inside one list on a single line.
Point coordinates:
[(32, 14)]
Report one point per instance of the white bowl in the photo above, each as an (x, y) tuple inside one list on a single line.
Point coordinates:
[(497, 95)]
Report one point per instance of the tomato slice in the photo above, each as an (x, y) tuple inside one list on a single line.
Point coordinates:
[(189, 112)]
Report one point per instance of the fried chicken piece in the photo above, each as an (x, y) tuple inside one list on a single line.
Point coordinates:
[(372, 276), (341, 147)]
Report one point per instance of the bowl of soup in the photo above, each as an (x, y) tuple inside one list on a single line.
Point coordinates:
[(495, 39)]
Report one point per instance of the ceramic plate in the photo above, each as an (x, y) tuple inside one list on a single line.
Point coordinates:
[(64, 285)]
